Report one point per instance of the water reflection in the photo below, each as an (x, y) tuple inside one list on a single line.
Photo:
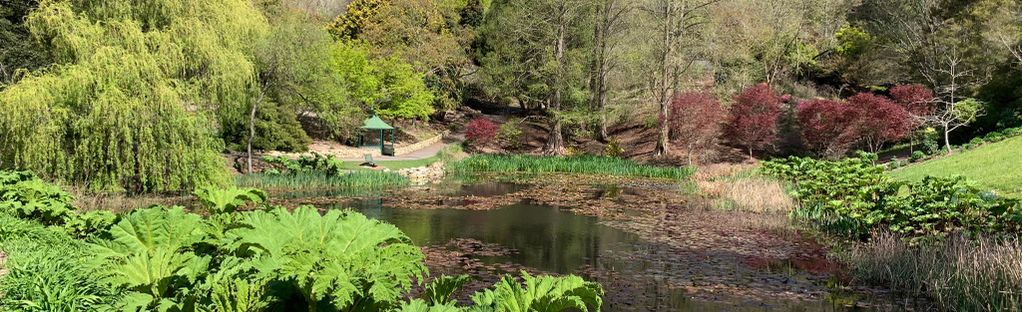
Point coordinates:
[(552, 240)]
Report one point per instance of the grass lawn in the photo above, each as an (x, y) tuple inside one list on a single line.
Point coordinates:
[(394, 164), (995, 165)]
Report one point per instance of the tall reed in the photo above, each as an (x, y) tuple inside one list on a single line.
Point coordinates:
[(575, 164), (960, 274), (305, 181)]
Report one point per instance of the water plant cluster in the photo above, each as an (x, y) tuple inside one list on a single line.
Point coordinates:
[(574, 164), (316, 172), (855, 196), (260, 259)]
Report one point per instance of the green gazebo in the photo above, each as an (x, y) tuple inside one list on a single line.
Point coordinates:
[(372, 126)]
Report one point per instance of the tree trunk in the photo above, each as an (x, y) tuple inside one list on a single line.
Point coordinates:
[(665, 76), (947, 140), (599, 84), (555, 142), (251, 131)]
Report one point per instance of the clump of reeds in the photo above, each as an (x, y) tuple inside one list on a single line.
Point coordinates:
[(574, 164), (303, 181), (982, 274)]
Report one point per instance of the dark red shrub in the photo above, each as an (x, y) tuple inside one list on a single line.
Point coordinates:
[(753, 122), (828, 126), (481, 131), (880, 120), (915, 98), (695, 120)]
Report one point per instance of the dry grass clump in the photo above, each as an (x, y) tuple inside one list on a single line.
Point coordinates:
[(960, 274), (734, 186), (122, 203)]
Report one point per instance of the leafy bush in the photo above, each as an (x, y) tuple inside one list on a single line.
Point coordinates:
[(218, 201), (613, 149), (542, 293), (917, 156), (854, 197), (24, 195), (510, 134), (481, 131), (276, 129), (313, 162)]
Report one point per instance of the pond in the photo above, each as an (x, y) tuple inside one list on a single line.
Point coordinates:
[(638, 275)]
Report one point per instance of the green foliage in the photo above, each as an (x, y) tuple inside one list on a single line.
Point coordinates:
[(276, 129), (441, 291), (853, 197), (510, 134), (917, 156), (167, 259), (851, 40), (613, 149), (46, 270), (340, 258), (574, 164), (150, 255), (118, 110), (219, 201), (355, 182), (358, 13), (389, 86), (541, 294), (26, 196), (314, 162)]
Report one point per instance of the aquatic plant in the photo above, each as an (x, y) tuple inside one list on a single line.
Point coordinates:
[(962, 274), (356, 180), (574, 164)]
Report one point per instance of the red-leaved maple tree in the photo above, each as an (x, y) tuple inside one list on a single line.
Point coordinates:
[(880, 120), (917, 99), (753, 122), (828, 126), (695, 120), (481, 131)]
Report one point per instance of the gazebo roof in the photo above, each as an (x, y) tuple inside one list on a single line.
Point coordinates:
[(375, 123)]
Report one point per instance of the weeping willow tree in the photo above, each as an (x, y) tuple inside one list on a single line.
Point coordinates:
[(136, 92)]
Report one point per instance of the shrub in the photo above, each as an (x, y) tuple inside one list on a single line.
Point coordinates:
[(510, 134), (879, 120), (828, 126), (314, 162), (917, 156), (613, 149), (481, 131), (754, 115), (695, 120)]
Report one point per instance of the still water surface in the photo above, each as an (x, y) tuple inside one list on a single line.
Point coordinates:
[(553, 240)]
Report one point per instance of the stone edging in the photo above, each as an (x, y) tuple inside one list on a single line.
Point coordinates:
[(401, 150)]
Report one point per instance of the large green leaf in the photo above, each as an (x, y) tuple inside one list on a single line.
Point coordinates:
[(540, 294), (149, 252), (337, 257)]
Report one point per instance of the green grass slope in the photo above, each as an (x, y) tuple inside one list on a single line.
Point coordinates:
[(995, 165)]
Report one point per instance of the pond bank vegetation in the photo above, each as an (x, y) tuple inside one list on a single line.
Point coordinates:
[(944, 239), (169, 259)]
